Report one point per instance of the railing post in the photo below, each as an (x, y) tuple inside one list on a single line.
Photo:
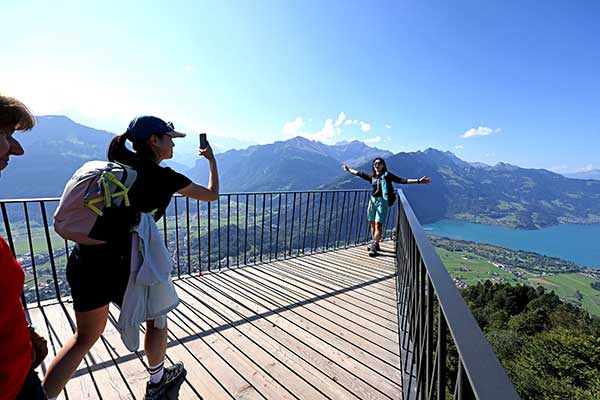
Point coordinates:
[(292, 224), (208, 234), (177, 237)]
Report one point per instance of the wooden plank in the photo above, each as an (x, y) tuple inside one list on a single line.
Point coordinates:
[(347, 269), (263, 333), (384, 336), (328, 344), (322, 343), (84, 387), (326, 271), (110, 375), (386, 310), (256, 384), (343, 329), (253, 333), (331, 300), (200, 354), (263, 354), (311, 365), (137, 373)]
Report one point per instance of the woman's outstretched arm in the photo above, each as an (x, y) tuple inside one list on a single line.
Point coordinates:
[(199, 192), (356, 172), (406, 181)]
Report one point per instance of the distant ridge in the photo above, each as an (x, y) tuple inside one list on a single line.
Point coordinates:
[(503, 194)]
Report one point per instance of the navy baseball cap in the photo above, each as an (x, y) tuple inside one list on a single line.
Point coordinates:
[(144, 126)]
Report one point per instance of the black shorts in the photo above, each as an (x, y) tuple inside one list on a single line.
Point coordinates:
[(98, 274)]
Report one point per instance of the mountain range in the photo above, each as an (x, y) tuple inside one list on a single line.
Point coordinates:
[(294, 164), (591, 174), (502, 194)]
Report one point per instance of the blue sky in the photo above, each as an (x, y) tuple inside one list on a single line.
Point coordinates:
[(512, 81)]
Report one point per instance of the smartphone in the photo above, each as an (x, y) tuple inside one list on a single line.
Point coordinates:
[(203, 142)]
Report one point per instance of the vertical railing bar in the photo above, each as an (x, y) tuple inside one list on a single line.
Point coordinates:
[(237, 226), (319, 220), (187, 214), (441, 367), (270, 226), (285, 227), (254, 231), (305, 222), (219, 231), (9, 237), (277, 232), (429, 334), (262, 226), (228, 226), (292, 224), (198, 231), (177, 238), (312, 220), (208, 235), (432, 382), (351, 220), (338, 222), (363, 213), (32, 253), (326, 247), (50, 252), (164, 218), (246, 232)]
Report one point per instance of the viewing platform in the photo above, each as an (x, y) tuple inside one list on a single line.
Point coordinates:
[(322, 326), (279, 300)]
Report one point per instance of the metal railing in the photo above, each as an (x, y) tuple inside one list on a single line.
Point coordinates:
[(444, 353), (238, 229)]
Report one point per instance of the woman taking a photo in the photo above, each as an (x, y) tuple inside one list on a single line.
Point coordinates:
[(382, 196), (98, 274)]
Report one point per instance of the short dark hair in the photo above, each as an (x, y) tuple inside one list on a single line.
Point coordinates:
[(15, 115), (384, 170)]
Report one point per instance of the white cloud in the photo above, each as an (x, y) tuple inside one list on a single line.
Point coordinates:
[(388, 126), (292, 128), (460, 146), (481, 131), (329, 132), (585, 168), (340, 119), (376, 139), (365, 127), (326, 134), (559, 168)]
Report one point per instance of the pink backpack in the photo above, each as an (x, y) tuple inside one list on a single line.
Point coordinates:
[(93, 187)]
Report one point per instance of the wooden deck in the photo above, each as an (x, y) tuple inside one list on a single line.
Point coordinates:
[(315, 327)]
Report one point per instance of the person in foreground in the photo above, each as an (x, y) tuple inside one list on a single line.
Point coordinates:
[(21, 348), (382, 196), (99, 274)]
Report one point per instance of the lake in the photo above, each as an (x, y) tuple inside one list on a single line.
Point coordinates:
[(577, 243)]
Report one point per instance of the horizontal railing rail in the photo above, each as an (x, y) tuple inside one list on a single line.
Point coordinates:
[(235, 230), (444, 353)]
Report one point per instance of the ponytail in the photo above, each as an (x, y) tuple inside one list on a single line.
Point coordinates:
[(118, 151)]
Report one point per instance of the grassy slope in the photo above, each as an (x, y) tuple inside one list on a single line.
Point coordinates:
[(564, 285)]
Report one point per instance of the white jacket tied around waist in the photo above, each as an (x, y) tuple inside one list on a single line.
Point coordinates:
[(150, 293)]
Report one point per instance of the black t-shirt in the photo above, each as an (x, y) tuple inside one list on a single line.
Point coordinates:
[(376, 182), (152, 190)]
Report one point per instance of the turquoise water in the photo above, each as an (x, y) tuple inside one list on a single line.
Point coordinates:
[(577, 243)]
